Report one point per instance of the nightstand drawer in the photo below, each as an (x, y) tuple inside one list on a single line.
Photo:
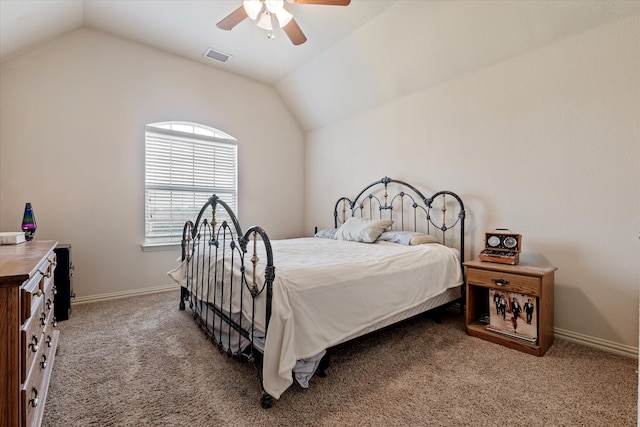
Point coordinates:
[(512, 282)]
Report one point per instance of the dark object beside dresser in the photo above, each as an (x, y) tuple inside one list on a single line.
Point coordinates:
[(64, 282)]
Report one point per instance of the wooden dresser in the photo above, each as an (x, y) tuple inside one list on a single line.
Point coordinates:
[(27, 338)]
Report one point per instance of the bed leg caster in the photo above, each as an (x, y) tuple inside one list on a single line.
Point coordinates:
[(266, 401), (183, 296), (437, 315), (323, 366)]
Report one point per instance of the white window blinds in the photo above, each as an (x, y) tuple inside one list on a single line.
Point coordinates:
[(184, 165)]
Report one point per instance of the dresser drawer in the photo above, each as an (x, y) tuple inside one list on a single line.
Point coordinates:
[(49, 297), (46, 281), (46, 269), (34, 390), (31, 402), (29, 292), (35, 286), (511, 282), (53, 261), (47, 345), (31, 336)]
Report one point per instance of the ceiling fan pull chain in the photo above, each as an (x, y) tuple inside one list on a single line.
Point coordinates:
[(271, 33)]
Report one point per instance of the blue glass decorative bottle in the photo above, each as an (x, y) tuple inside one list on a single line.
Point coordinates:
[(28, 222)]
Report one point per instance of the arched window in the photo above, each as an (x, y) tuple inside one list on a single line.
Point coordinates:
[(185, 163)]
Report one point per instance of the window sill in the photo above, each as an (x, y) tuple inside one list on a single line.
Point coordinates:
[(156, 247)]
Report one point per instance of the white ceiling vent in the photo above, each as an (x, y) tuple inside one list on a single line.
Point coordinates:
[(217, 55)]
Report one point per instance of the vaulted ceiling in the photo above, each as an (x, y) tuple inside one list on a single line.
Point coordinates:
[(187, 28), (356, 57)]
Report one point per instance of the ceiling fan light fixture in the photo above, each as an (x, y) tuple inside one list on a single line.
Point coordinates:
[(267, 12), (253, 8), (274, 6), (283, 17), (265, 21)]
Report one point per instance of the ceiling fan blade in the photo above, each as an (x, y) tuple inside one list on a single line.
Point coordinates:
[(322, 2), (292, 29), (233, 19)]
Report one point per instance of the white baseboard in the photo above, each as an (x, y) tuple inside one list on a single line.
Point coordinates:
[(608, 346), (125, 294)]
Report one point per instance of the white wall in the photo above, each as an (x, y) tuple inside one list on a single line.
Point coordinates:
[(544, 143), (72, 116)]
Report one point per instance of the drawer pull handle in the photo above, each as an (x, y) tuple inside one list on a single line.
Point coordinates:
[(33, 345), (34, 400), (43, 318), (500, 282), (55, 290), (43, 362), (38, 293), (47, 274), (49, 303), (49, 340)]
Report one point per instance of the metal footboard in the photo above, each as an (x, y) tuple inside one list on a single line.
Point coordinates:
[(224, 282)]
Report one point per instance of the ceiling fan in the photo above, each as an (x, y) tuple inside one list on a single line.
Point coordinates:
[(268, 13)]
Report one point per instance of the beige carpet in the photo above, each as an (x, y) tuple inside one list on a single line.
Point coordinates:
[(142, 362)]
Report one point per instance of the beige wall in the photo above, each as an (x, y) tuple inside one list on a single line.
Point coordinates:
[(72, 116), (545, 143)]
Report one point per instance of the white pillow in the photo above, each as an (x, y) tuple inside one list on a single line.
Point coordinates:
[(424, 238), (362, 229), (326, 233), (407, 237)]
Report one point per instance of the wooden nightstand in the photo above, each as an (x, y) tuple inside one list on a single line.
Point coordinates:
[(524, 281)]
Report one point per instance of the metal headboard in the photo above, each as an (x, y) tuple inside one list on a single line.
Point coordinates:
[(407, 206)]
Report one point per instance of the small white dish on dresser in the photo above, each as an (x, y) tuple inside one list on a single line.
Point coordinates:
[(11, 237)]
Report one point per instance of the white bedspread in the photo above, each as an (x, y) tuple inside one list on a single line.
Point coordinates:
[(326, 290)]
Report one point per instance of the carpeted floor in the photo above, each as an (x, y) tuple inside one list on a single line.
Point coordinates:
[(141, 362)]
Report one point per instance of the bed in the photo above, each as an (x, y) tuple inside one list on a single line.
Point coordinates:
[(391, 254)]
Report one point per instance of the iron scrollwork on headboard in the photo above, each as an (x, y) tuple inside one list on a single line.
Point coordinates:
[(407, 204)]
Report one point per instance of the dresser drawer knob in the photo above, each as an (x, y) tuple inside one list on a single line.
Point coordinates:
[(38, 293), (43, 318), (500, 282), (33, 345), (43, 362), (49, 303), (49, 340), (46, 273), (33, 401)]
